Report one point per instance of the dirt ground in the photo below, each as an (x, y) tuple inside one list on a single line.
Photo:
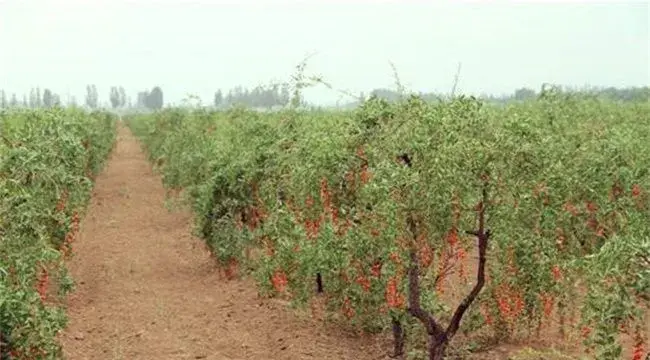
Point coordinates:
[(146, 289)]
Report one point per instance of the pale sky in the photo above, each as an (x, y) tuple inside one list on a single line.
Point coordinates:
[(196, 47)]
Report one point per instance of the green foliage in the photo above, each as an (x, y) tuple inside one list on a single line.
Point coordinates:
[(47, 162), (298, 195)]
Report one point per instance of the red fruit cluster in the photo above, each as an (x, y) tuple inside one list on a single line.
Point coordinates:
[(394, 298), (279, 281)]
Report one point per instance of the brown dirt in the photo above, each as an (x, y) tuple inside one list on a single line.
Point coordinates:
[(147, 289)]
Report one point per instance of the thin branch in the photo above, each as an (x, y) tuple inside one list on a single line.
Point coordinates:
[(447, 270)]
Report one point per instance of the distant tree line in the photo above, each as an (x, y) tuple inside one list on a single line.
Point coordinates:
[(258, 97), (275, 95), (150, 99), (629, 94), (36, 99), (521, 94)]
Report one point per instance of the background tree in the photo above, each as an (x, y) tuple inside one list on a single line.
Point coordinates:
[(218, 98), (284, 95), (115, 97), (524, 94), (32, 98), (3, 99), (92, 97), (56, 100), (155, 98), (39, 99), (14, 101), (142, 99), (48, 100), (229, 97), (122, 96)]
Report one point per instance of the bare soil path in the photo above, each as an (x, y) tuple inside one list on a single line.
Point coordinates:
[(146, 289)]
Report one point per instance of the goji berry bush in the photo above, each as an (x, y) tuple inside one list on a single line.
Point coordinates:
[(522, 221), (48, 160)]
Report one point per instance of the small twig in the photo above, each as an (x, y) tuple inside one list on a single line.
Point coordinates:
[(446, 271)]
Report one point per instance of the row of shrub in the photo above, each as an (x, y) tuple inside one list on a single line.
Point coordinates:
[(48, 160), (381, 211)]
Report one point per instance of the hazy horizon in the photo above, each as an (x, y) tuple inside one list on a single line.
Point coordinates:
[(197, 48)]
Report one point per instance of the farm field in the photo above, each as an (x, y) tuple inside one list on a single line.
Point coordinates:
[(383, 220), (149, 290), (408, 230)]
